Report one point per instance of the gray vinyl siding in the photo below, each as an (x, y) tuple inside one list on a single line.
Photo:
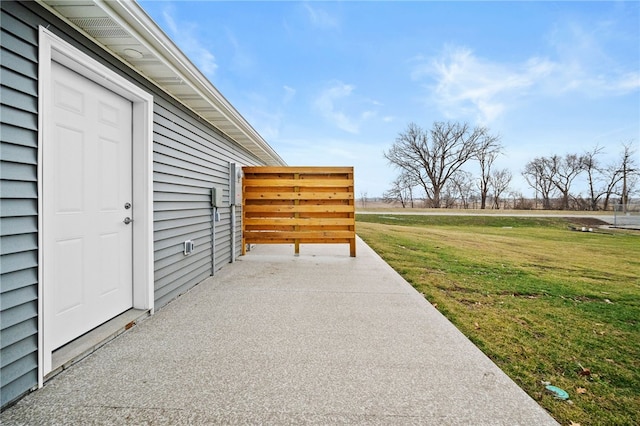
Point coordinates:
[(18, 206), (189, 157), (189, 160)]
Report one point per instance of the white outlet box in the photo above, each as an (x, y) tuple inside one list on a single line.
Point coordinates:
[(188, 247)]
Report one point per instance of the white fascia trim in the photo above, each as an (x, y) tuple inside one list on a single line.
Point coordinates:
[(134, 19)]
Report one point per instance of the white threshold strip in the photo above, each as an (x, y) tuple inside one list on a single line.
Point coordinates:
[(67, 355)]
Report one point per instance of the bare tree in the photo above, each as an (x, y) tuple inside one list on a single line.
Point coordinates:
[(565, 170), (459, 187), (431, 158), (591, 166), (633, 185), (489, 148), (401, 191), (363, 198), (519, 202), (629, 173), (614, 179), (499, 183), (611, 177), (448, 196), (539, 174)]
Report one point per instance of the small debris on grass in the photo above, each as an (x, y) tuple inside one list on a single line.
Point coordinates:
[(574, 423), (476, 325), (435, 305), (584, 371), (557, 392), (581, 391), (608, 301)]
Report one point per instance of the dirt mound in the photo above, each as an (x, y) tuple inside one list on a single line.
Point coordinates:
[(586, 221)]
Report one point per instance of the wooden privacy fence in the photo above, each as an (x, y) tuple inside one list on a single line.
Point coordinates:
[(298, 205)]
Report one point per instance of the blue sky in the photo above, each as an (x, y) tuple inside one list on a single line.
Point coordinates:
[(333, 83)]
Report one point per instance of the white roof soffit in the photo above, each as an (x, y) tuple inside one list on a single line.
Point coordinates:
[(124, 29)]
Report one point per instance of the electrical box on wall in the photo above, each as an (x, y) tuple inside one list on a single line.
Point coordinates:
[(216, 197), (235, 183), (188, 247)]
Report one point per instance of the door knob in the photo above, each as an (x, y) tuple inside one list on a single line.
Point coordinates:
[(127, 206), (127, 220)]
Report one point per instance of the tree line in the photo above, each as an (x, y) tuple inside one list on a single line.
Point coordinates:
[(431, 165)]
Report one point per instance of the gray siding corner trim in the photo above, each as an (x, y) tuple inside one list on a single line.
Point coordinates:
[(18, 204)]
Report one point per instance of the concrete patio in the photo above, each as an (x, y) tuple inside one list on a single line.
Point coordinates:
[(320, 338)]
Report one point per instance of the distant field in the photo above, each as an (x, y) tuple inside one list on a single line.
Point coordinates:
[(546, 303), (379, 207)]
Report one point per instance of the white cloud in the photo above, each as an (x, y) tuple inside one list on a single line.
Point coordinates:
[(587, 59), (339, 105), (325, 103), (627, 82), (265, 117), (289, 93), (368, 114), (468, 85), (314, 150), (602, 85), (241, 60), (320, 18), (183, 34), (371, 171)]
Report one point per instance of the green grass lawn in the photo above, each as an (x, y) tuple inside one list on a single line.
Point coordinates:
[(545, 303)]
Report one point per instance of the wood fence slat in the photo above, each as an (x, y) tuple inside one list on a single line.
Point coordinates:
[(297, 169), (304, 241), (308, 183), (294, 205), (300, 208), (299, 221), (285, 195), (276, 235)]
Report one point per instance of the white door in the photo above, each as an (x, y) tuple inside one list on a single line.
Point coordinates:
[(87, 186)]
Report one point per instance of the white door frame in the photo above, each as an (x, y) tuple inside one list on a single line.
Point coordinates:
[(53, 48)]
